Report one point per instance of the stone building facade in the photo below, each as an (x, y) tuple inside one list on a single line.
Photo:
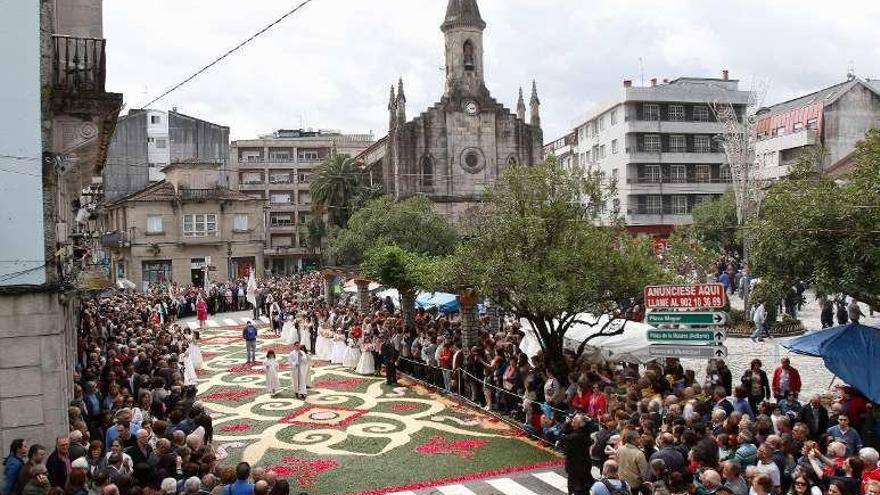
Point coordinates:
[(56, 96), (187, 229), (453, 151)]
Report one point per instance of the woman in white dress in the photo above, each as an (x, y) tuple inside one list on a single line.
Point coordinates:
[(339, 348), (190, 378), (289, 331), (196, 351), (352, 355), (366, 364), (273, 383), (324, 343)]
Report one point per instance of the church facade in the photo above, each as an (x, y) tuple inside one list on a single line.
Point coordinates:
[(460, 146)]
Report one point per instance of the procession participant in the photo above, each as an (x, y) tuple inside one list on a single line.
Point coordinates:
[(297, 359), (272, 380), (290, 332), (196, 353), (201, 311), (249, 334)]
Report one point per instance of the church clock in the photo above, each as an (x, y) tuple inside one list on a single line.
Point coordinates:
[(471, 107)]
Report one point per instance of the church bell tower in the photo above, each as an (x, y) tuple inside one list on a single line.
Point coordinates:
[(463, 29)]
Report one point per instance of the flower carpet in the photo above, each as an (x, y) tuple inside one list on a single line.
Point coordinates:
[(353, 434)]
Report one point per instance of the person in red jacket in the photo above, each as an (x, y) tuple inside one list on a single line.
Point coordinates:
[(785, 379), (581, 400)]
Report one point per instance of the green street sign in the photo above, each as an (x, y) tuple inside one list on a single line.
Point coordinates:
[(706, 336), (686, 318), (688, 351)]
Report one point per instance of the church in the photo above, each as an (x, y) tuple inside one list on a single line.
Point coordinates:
[(459, 147)]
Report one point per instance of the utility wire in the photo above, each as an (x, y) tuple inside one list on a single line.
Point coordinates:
[(228, 53)]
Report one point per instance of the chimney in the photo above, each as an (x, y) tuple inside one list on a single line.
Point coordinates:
[(725, 74), (627, 83), (653, 82), (665, 81)]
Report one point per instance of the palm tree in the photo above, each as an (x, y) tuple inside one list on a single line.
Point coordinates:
[(336, 187)]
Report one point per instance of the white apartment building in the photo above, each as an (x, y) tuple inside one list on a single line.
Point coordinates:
[(276, 168), (659, 143)]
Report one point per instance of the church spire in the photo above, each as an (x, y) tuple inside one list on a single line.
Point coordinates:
[(535, 104), (463, 13), (521, 106), (392, 109), (401, 102)]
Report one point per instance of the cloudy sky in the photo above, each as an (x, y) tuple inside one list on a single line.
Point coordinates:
[(329, 66)]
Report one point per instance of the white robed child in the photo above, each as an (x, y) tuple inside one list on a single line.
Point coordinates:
[(190, 378), (352, 356), (299, 371), (366, 364), (273, 382), (337, 356), (196, 351)]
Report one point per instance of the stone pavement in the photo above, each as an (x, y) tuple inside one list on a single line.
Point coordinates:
[(815, 377)]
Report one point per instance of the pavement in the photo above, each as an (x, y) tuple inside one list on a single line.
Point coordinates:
[(816, 379)]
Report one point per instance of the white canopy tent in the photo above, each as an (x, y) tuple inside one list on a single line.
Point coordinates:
[(631, 346)]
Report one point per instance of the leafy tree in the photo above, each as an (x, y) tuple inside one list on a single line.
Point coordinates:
[(813, 229), (411, 224), (687, 256), (336, 188), (716, 225), (536, 247)]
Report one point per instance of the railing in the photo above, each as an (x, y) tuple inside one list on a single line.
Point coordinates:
[(78, 64), (668, 180), (197, 194)]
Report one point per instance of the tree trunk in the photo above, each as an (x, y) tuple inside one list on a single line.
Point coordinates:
[(408, 308), (470, 322), (363, 293)]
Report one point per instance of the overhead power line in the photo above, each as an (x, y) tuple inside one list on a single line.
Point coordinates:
[(228, 53)]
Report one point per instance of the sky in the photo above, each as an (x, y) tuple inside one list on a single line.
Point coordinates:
[(330, 65)]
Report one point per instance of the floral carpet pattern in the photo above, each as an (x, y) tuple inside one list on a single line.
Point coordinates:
[(353, 434)]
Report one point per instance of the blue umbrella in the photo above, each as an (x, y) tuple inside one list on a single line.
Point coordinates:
[(444, 302), (849, 352)]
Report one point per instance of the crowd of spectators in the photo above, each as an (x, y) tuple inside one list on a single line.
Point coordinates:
[(136, 429)]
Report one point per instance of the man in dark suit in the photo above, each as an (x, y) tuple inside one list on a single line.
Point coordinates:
[(815, 416), (140, 452), (390, 355), (575, 444), (58, 463)]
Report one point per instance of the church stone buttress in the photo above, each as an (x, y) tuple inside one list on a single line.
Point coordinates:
[(453, 151)]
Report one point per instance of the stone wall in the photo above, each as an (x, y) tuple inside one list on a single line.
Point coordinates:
[(37, 349)]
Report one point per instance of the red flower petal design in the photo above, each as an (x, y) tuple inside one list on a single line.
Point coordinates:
[(438, 445), (230, 394), (305, 470), (236, 427), (342, 383), (404, 407)]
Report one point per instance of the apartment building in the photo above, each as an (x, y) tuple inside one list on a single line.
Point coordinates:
[(276, 168), (185, 229), (146, 140), (563, 149), (836, 117), (659, 143)]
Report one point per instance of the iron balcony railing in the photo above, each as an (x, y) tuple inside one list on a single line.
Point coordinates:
[(79, 65)]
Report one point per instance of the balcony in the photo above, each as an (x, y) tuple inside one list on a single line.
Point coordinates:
[(675, 127), (645, 216), (687, 186), (639, 155), (79, 65), (797, 139)]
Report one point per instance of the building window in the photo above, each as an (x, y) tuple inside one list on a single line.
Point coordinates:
[(308, 156), (780, 130), (200, 225), (676, 113), (249, 178), (702, 144), (601, 123), (468, 54), (679, 205), (677, 143), (654, 205), (678, 174), (428, 171), (279, 198), (651, 111), (279, 156), (279, 178), (586, 157), (652, 174), (155, 119), (240, 222), (651, 143), (304, 198), (813, 123), (284, 241), (725, 174), (798, 126), (151, 140), (303, 178), (154, 224), (614, 147), (161, 143), (614, 117), (701, 113), (702, 173), (280, 220), (156, 272), (303, 218), (602, 152)]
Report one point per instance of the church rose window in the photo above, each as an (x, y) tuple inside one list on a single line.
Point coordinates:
[(472, 160)]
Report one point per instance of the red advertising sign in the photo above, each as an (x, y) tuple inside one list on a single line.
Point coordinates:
[(702, 296)]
